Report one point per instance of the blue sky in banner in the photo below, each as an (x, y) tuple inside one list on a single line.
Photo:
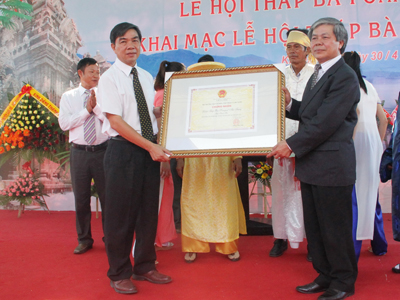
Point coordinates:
[(244, 32)]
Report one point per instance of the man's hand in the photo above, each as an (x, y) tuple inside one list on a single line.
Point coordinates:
[(92, 99), (159, 153), (281, 150), (165, 170), (180, 163), (89, 106), (287, 96), (237, 166), (157, 111)]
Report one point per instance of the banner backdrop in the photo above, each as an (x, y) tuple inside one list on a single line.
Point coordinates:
[(244, 32), (44, 51)]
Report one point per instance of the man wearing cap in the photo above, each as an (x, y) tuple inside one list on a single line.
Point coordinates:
[(287, 209)]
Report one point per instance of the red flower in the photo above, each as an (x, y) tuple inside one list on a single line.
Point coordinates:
[(258, 166)]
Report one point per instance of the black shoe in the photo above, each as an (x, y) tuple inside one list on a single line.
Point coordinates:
[(311, 288), (333, 294), (309, 257), (280, 246), (82, 248), (396, 268)]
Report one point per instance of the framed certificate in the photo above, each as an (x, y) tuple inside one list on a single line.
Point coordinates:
[(223, 112)]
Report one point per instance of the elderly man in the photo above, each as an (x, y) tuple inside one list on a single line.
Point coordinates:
[(287, 209), (325, 160)]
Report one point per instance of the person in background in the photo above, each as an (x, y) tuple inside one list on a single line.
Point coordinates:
[(131, 164), (82, 116), (325, 160), (390, 169), (212, 210), (368, 137), (166, 231), (287, 208)]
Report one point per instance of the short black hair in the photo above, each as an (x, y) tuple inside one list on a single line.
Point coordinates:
[(305, 31), (206, 57), (84, 62), (120, 30)]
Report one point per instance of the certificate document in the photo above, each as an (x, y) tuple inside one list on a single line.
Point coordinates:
[(222, 108)]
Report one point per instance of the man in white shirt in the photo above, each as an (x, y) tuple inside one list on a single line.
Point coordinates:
[(325, 161), (80, 114), (287, 207), (131, 164)]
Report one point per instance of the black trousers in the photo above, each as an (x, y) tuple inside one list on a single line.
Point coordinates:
[(176, 205), (86, 166), (328, 224), (132, 190)]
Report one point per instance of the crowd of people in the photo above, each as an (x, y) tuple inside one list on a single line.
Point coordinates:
[(324, 184)]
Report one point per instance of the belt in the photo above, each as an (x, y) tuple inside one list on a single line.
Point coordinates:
[(122, 139), (90, 148)]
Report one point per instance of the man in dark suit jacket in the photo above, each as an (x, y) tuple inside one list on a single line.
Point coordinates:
[(325, 160)]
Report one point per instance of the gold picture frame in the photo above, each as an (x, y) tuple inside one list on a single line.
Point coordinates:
[(223, 112)]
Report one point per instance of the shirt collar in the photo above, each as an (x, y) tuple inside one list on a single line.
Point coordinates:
[(82, 90), (298, 74), (126, 69), (326, 65)]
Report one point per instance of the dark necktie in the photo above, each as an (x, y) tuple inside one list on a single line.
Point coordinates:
[(89, 126), (315, 75), (144, 117)]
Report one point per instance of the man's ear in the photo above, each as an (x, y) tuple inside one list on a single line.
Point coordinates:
[(113, 47), (80, 73), (308, 50)]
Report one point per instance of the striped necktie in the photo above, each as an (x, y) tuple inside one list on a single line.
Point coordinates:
[(89, 126), (144, 116), (315, 75)]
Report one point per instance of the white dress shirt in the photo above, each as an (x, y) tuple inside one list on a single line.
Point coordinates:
[(324, 68), (296, 84), (73, 115), (117, 96), (327, 65)]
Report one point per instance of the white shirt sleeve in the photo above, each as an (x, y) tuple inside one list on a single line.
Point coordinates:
[(68, 119)]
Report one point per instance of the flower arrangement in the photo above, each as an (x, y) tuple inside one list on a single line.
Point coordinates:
[(25, 189), (261, 172), (31, 129)]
